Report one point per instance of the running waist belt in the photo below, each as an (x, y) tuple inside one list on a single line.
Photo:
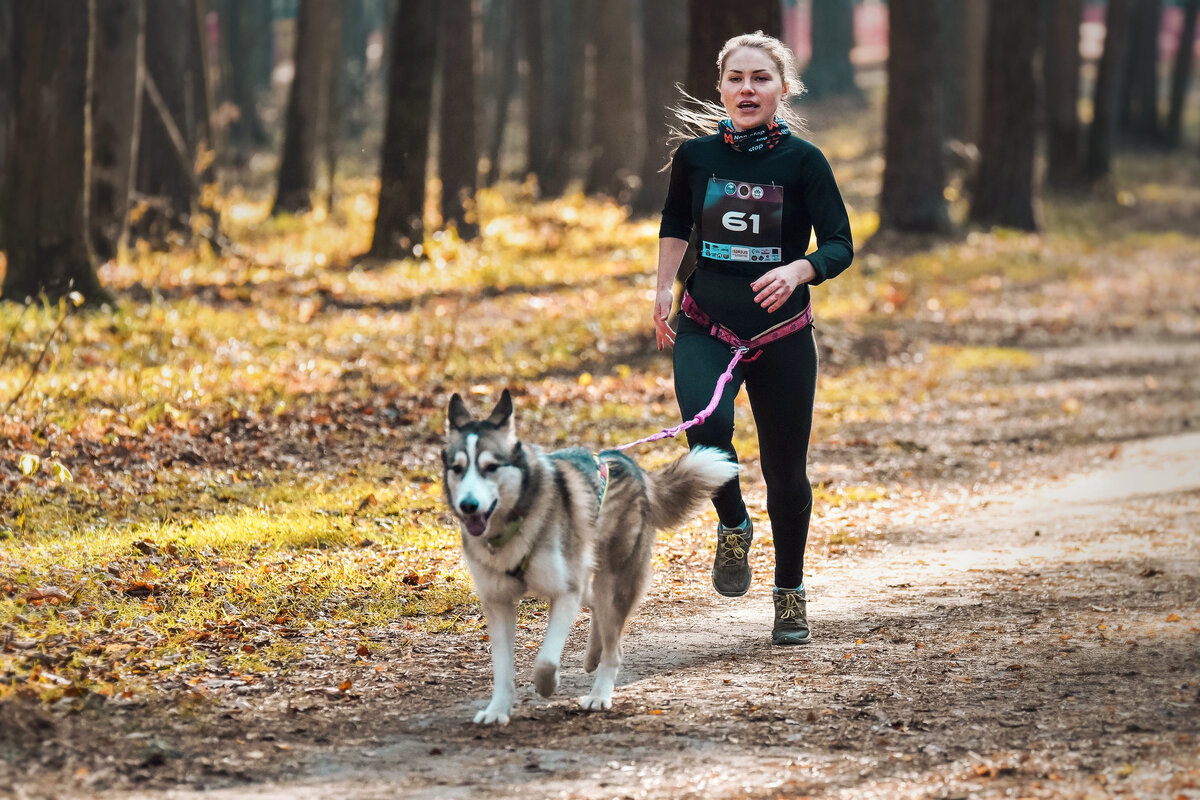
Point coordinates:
[(796, 323)]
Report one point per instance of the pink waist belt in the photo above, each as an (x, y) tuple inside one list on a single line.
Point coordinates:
[(796, 323)]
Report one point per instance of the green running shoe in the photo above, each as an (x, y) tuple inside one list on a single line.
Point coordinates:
[(791, 617), (731, 566)]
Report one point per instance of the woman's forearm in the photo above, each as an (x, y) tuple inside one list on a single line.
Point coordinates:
[(670, 254)]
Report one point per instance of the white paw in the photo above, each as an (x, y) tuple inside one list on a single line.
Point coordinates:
[(545, 677), (494, 714), (596, 702)]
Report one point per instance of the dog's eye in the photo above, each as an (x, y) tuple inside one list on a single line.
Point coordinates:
[(490, 468), (458, 469)]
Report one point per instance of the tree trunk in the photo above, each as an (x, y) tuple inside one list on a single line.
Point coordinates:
[(1181, 75), (664, 24), (245, 33), (618, 120), (1098, 162), (399, 223), (307, 109), (975, 33), (355, 32), (331, 75), (532, 35), (1061, 62), (830, 72), (43, 205), (912, 198), (952, 67), (500, 44), (1004, 186), (5, 103), (1138, 118), (165, 175), (118, 85), (459, 159), (711, 24), (567, 95)]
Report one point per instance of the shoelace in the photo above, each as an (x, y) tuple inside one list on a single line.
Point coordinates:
[(734, 548), (791, 607)]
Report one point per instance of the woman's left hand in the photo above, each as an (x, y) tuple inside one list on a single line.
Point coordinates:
[(776, 286)]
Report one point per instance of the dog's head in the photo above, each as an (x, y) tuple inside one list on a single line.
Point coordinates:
[(484, 463)]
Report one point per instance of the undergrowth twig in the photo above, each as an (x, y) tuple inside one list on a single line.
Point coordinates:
[(75, 299)]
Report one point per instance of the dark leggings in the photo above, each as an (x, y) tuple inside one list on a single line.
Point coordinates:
[(781, 383)]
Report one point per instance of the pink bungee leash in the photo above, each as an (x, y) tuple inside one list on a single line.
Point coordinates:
[(725, 378)]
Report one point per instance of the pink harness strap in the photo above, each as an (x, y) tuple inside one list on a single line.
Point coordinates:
[(740, 348), (719, 331)]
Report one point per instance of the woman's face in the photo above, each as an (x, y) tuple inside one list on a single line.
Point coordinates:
[(751, 87)]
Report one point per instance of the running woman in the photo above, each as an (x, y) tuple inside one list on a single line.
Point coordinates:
[(754, 192)]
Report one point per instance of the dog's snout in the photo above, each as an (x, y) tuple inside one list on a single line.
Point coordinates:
[(468, 505)]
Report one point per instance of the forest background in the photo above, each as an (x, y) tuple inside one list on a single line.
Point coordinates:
[(248, 249)]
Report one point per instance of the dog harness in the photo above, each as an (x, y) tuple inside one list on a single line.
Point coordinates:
[(514, 525)]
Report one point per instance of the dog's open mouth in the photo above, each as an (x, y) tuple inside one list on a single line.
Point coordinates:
[(476, 523)]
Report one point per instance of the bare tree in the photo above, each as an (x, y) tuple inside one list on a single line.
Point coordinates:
[(43, 204), (617, 123), (912, 198), (664, 25), (308, 105), (5, 105), (711, 24), (458, 156), (245, 35), (500, 77), (1003, 193), (1098, 161), (118, 48), (1061, 63), (566, 107), (399, 222), (533, 37), (1181, 74), (830, 72), (175, 148), (1138, 116)]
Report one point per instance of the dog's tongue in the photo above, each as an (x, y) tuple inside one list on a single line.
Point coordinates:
[(476, 524)]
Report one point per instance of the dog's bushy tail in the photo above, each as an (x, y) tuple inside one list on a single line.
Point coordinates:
[(676, 490)]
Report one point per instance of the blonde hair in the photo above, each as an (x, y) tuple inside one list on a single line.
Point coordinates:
[(700, 117)]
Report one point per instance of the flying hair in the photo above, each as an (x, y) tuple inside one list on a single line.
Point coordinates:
[(696, 117)]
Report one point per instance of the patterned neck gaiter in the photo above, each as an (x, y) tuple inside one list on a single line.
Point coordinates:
[(754, 140)]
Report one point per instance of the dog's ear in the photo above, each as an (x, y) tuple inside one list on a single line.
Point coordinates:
[(457, 414), (501, 415)]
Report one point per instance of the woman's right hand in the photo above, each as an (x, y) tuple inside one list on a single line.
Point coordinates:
[(662, 311)]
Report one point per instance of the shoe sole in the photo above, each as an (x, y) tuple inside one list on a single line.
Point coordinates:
[(742, 593), (790, 639)]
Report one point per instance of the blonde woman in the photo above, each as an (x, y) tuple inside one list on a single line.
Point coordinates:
[(754, 192)]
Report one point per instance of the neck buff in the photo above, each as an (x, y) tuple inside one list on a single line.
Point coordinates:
[(754, 140)]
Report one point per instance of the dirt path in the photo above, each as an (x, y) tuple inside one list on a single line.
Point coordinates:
[(1046, 645)]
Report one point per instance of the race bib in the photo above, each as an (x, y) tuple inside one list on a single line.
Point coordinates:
[(742, 221)]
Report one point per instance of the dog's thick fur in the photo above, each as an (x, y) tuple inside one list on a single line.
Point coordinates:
[(533, 523)]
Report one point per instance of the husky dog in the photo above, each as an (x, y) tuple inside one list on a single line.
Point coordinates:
[(568, 526)]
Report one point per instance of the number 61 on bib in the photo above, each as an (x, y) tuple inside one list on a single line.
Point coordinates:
[(742, 221)]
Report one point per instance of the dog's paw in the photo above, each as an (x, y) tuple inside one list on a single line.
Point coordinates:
[(493, 715), (592, 659), (545, 677), (596, 702)]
